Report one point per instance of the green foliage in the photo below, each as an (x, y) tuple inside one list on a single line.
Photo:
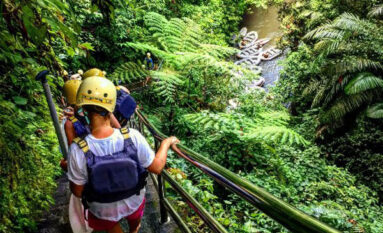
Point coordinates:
[(376, 11), (336, 71), (167, 83), (375, 111), (129, 72), (363, 82), (29, 31), (28, 167), (298, 175), (186, 60), (360, 151), (341, 38), (344, 65), (268, 127), (338, 75)]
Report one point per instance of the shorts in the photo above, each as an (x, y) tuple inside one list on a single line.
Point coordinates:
[(102, 225)]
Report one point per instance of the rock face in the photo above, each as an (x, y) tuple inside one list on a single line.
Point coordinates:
[(56, 219)]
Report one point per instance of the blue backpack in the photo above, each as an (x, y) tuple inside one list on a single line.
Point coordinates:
[(79, 127), (125, 105), (113, 177)]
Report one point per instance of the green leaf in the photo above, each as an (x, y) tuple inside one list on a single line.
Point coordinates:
[(375, 111), (362, 82), (87, 46), (20, 100)]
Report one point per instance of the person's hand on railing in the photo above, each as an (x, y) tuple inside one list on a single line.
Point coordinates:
[(159, 160), (171, 140)]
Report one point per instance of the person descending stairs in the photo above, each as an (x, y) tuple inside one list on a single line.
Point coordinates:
[(97, 97)]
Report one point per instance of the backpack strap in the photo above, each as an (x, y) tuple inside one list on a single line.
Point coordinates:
[(82, 144), (143, 174), (73, 119), (125, 133)]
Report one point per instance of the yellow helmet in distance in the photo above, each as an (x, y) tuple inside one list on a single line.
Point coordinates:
[(93, 72), (97, 91), (70, 89)]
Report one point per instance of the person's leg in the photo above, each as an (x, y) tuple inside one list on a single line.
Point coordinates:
[(134, 219), (134, 225), (103, 225), (116, 229)]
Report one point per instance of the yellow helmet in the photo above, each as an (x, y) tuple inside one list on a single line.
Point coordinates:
[(93, 72), (70, 90), (97, 91)]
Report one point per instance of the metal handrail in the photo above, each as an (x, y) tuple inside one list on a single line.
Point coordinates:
[(171, 210), (288, 216), (197, 207)]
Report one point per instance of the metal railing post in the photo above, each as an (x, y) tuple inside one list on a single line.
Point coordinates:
[(161, 193)]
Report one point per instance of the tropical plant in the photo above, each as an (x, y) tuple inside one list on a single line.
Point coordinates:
[(267, 127), (185, 59), (29, 32), (129, 72), (351, 69), (376, 11)]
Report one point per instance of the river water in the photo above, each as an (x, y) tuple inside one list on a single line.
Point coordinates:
[(264, 21), (267, 24)]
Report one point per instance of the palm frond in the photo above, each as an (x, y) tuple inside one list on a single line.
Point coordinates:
[(352, 64), (375, 111), (362, 82), (320, 95), (346, 104), (351, 22)]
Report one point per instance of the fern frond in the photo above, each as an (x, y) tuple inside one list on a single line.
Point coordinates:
[(268, 127), (167, 82), (273, 118), (155, 22), (129, 72), (218, 121), (153, 49), (376, 11), (362, 82), (276, 135), (218, 51), (174, 34)]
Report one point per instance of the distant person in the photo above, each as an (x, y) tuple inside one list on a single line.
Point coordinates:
[(149, 62), (108, 168)]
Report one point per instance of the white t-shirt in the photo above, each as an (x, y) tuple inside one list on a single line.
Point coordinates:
[(78, 174)]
